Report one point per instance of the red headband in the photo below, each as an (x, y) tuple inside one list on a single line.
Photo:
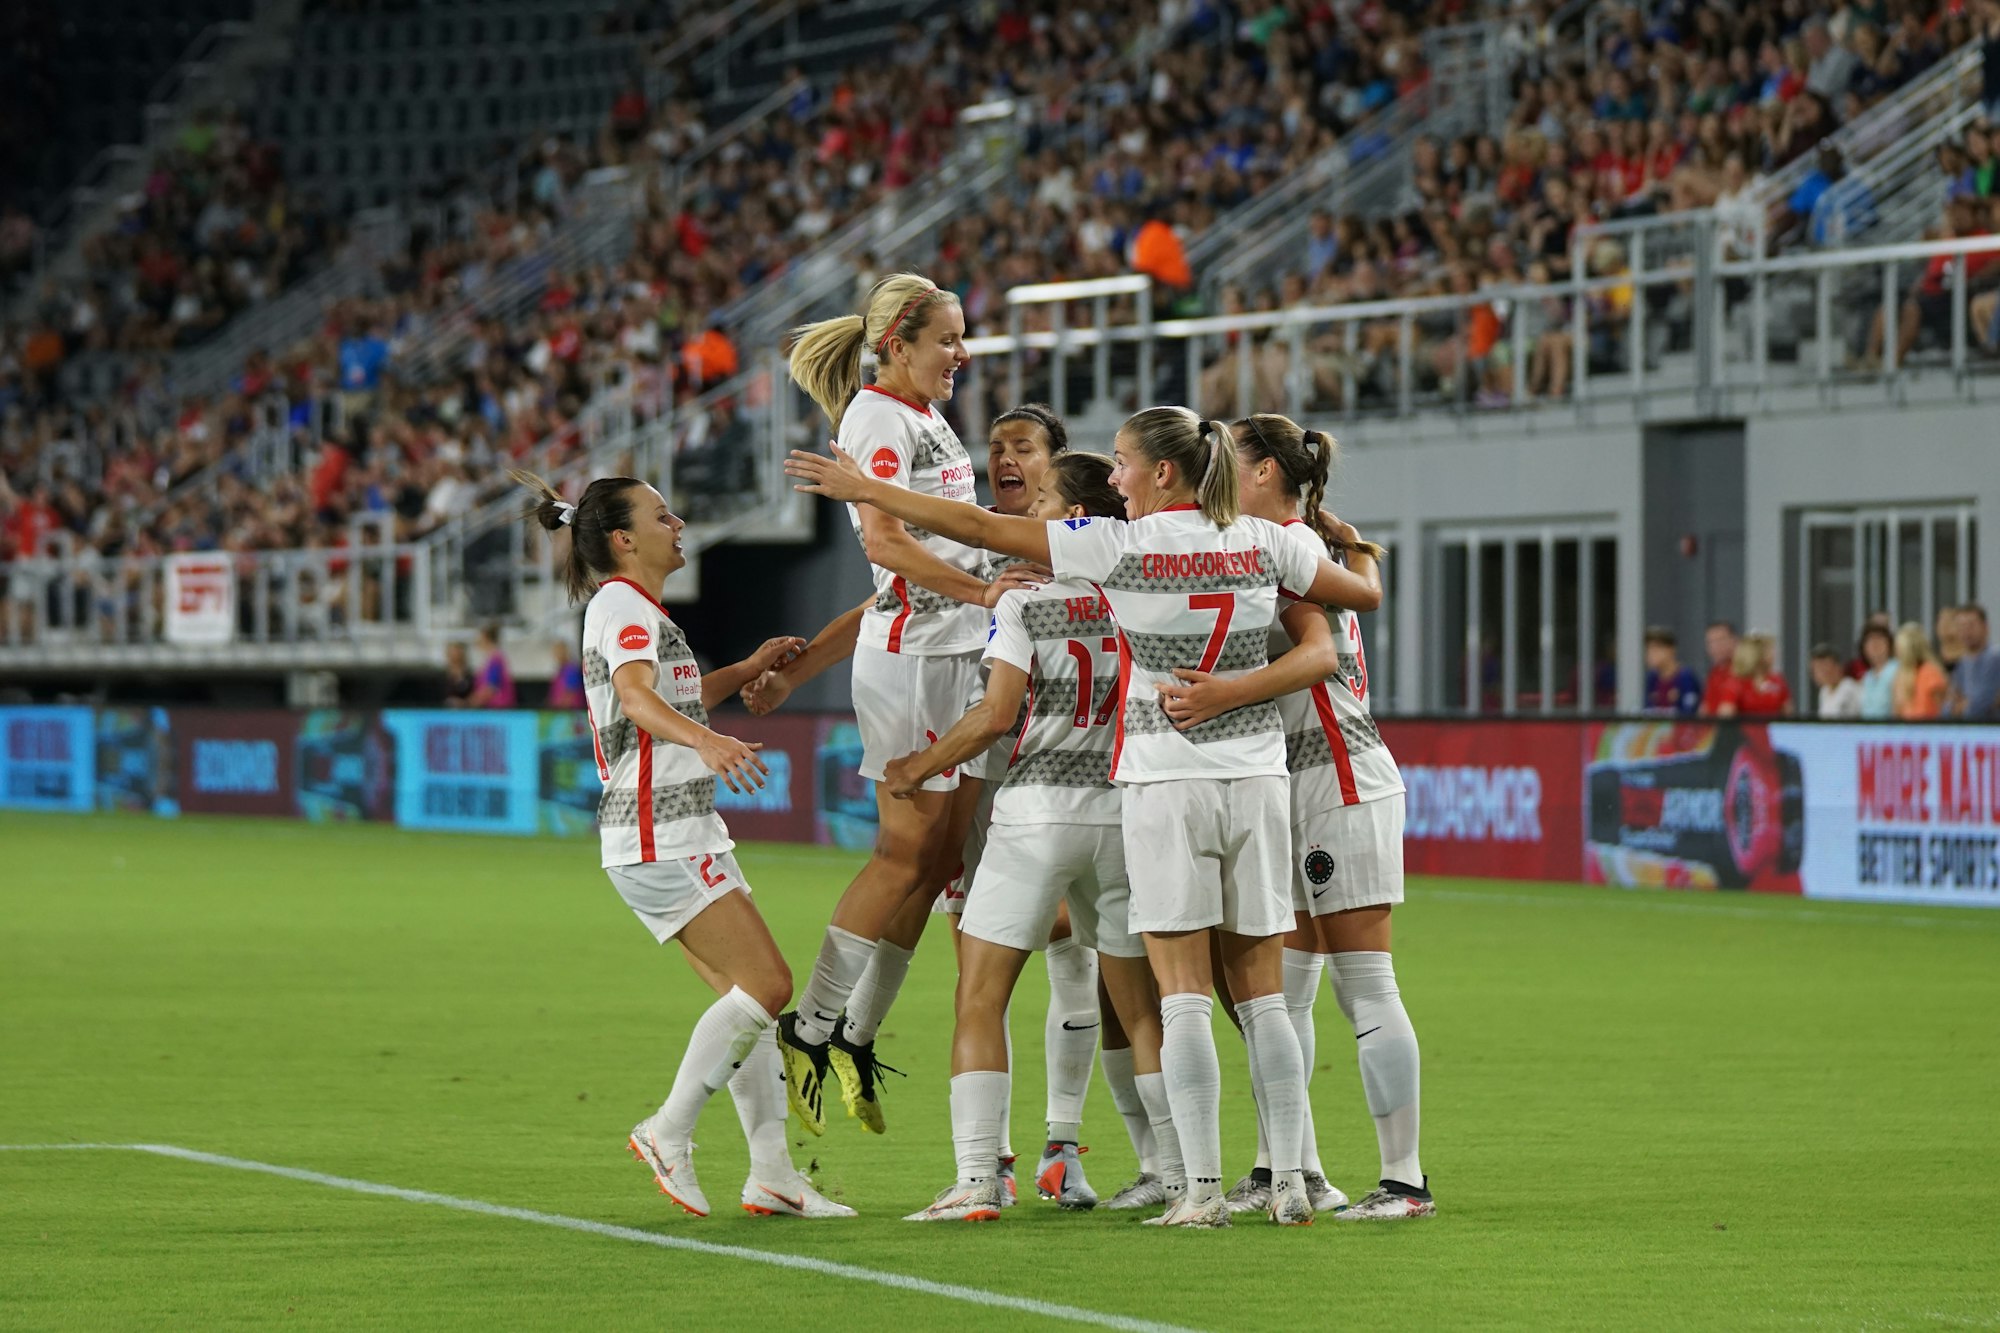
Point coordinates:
[(882, 346)]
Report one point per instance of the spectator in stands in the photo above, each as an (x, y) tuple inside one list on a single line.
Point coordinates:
[(1878, 685), (1950, 644), (494, 687), (1975, 680), (1989, 45), (458, 681), (1929, 306), (1839, 693), (1753, 687), (1720, 643), (566, 684), (1921, 685), (1670, 686)]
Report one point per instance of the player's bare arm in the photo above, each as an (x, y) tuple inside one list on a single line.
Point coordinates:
[(722, 682), (1200, 696), (735, 762), (839, 478), (834, 643), (985, 722)]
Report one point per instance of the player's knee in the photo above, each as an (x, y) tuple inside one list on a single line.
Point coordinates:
[(772, 987)]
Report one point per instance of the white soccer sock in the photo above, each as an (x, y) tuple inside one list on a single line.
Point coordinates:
[(758, 1089), (722, 1037), (978, 1107), (1275, 1076), (1152, 1090), (843, 956), (1194, 1086), (1302, 974), (1069, 1035), (1131, 1107), (881, 982), (1386, 1044), (1007, 1117)]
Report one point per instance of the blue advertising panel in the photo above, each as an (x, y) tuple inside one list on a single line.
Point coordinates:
[(48, 758), (466, 772)]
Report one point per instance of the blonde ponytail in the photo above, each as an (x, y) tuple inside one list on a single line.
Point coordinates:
[(826, 356), (1217, 492)]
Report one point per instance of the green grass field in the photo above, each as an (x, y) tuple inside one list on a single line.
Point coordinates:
[(1640, 1110)]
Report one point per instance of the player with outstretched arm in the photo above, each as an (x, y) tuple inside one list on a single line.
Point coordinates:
[(1193, 585), (665, 848)]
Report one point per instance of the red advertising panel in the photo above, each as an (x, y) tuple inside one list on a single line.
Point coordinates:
[(783, 810), (1499, 800), (235, 763)]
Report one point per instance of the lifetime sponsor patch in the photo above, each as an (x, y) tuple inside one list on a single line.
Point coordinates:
[(634, 637), (1319, 865), (884, 463)]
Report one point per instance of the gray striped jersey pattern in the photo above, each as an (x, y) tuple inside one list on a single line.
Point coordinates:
[(1242, 650), (687, 800), (1309, 749)]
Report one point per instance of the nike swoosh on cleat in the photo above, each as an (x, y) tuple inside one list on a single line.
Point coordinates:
[(1072, 1027), (1359, 1035), (798, 1203)]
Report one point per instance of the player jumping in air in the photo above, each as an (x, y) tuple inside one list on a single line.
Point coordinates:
[(1195, 585)]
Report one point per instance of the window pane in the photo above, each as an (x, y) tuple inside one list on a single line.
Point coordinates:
[(1910, 604), (1830, 585), (1568, 589), (1944, 533), (1528, 616), (1604, 591), (1492, 622), (1449, 630)]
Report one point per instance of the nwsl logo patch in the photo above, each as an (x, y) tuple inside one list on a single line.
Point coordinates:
[(1074, 523)]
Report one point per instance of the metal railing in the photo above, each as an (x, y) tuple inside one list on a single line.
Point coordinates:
[(1689, 334)]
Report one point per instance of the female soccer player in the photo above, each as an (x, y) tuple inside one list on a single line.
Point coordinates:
[(916, 659), (1021, 444), (664, 847), (1347, 841), (1205, 808), (1053, 839)]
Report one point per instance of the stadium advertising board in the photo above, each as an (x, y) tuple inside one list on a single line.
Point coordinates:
[(48, 758), (236, 762), (467, 772), (135, 761), (783, 811), (1495, 799), (346, 767), (843, 800)]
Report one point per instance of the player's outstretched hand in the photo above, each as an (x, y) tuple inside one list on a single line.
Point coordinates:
[(900, 776), (1027, 577), (837, 477), (1194, 697), (734, 761), (776, 653), (766, 693)]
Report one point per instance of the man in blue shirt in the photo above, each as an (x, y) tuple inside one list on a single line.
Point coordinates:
[(1975, 681), (1670, 687)]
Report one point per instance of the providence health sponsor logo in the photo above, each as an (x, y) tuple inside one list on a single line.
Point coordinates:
[(1473, 803), (227, 767)]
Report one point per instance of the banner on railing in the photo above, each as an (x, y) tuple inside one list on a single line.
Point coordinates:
[(1881, 812), (201, 598)]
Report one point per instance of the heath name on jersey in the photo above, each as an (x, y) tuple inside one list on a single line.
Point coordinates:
[(1059, 770)]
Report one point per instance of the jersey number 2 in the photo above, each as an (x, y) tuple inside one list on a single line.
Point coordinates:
[(1086, 688)]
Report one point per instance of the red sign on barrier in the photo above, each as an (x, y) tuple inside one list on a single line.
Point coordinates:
[(236, 762), (1498, 800)]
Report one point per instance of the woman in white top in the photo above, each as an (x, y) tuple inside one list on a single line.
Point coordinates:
[(916, 660), (1193, 584), (663, 845)]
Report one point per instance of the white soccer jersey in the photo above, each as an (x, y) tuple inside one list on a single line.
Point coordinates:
[(912, 446), (1336, 756), (1187, 594), (659, 798), (1059, 770)]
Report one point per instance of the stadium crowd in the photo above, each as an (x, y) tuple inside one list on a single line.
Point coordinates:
[(1134, 147)]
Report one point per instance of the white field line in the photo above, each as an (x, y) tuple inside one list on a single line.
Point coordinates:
[(1652, 900), (825, 1267)]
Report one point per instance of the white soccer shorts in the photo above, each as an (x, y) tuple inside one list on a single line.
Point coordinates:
[(903, 703), (1210, 852), (1027, 872), (1349, 857), (667, 895)]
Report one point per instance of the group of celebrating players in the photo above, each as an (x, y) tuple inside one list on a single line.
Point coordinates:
[(1108, 718)]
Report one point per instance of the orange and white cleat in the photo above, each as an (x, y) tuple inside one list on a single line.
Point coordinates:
[(1393, 1202), (788, 1195), (672, 1166), (967, 1201), (1059, 1176)]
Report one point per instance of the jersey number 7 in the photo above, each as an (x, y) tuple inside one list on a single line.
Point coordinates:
[(1224, 606), (1086, 686)]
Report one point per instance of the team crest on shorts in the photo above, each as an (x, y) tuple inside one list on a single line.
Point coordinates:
[(1319, 865)]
